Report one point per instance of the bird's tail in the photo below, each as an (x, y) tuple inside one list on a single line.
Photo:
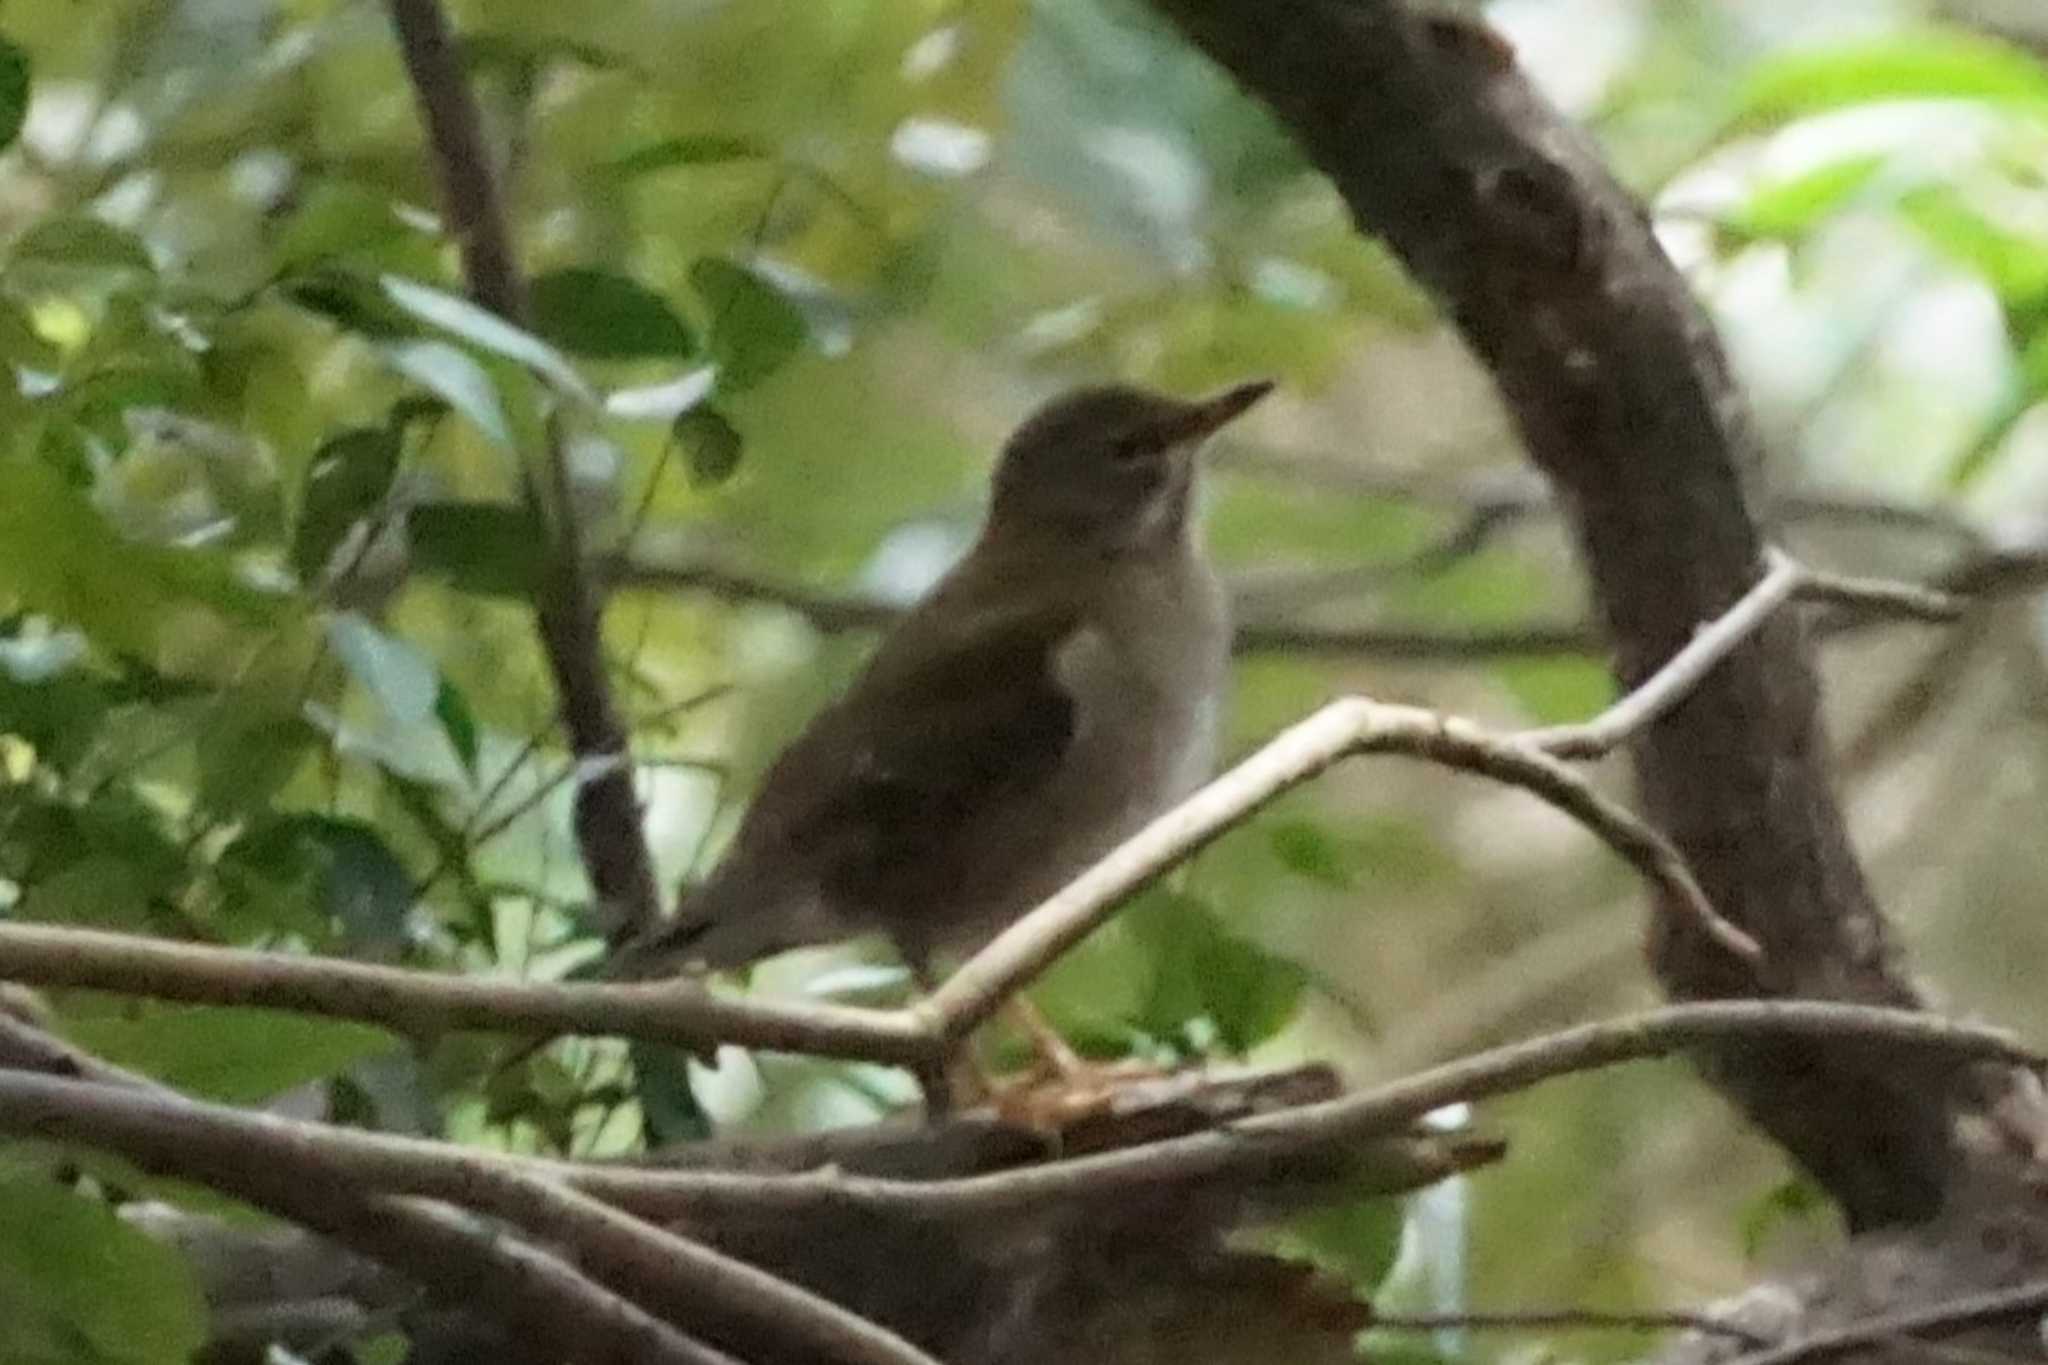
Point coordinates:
[(718, 924)]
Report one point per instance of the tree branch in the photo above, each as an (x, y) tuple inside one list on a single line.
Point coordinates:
[(1623, 396), (1973, 1310), (463, 1262), (424, 1003), (691, 1286), (607, 811)]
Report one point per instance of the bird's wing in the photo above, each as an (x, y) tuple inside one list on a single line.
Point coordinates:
[(961, 708)]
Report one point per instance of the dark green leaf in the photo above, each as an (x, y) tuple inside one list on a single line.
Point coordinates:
[(483, 547), (340, 219), (458, 722), (368, 891), (350, 302), (78, 1277), (247, 753), (683, 151), (98, 891), (346, 481), (668, 1104), (14, 83), (755, 329), (607, 316), (236, 1056), (80, 241), (479, 326), (711, 445)]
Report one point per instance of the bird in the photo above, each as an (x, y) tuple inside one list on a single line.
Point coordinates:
[(1056, 690)]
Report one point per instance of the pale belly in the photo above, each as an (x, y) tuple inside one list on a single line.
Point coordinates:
[(1146, 737)]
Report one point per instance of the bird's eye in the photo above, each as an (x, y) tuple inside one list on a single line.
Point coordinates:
[(1128, 448)]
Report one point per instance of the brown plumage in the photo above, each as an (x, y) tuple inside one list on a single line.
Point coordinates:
[(1054, 692)]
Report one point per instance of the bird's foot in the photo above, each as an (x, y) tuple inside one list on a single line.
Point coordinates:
[(1062, 1088)]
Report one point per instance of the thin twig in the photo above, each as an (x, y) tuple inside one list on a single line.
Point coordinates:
[(607, 810), (1552, 1319), (1956, 1314)]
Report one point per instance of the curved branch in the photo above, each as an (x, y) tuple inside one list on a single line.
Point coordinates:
[(696, 1288), (1623, 397)]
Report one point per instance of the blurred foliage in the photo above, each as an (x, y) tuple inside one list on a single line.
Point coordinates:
[(267, 676)]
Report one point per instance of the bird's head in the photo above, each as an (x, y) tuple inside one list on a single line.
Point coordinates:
[(1109, 469)]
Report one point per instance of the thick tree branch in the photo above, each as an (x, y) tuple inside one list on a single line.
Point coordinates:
[(671, 1277), (460, 1260), (1622, 395), (607, 811)]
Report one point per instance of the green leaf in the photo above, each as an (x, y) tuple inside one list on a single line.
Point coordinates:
[(2014, 263), (1934, 63), (607, 316), (1791, 1202), (236, 1056), (21, 343), (98, 890), (1791, 207), (481, 327), (1203, 971), (492, 548), (1306, 849), (458, 722), (755, 329), (1357, 1239), (667, 154), (14, 89), (362, 885), (711, 444), (247, 754), (350, 302), (82, 1278), (668, 1103), (346, 481), (456, 376), (58, 555), (340, 219), (80, 241)]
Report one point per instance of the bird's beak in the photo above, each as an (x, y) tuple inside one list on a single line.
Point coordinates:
[(1212, 414)]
